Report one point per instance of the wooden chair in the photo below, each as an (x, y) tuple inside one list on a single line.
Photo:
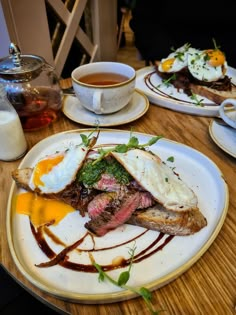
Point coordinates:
[(121, 28), (27, 26), (71, 19)]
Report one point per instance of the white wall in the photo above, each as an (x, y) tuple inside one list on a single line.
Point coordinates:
[(4, 36)]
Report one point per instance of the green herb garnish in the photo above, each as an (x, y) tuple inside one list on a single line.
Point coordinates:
[(216, 47), (123, 148), (180, 54), (171, 159), (167, 82), (88, 140), (91, 172), (195, 99), (124, 278)]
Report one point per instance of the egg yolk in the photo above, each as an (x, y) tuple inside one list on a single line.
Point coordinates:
[(44, 167), (215, 57), (167, 64), (41, 210)]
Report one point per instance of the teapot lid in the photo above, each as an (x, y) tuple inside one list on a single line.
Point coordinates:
[(20, 68)]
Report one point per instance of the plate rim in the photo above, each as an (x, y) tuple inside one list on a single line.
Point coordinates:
[(213, 137), (124, 294), (117, 123)]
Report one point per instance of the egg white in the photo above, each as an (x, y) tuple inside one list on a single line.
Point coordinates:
[(180, 57), (158, 179), (202, 70), (62, 174)]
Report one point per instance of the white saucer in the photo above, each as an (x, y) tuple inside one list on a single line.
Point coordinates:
[(224, 137), (136, 108)]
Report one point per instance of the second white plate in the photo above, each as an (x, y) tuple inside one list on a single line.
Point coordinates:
[(136, 108), (148, 81)]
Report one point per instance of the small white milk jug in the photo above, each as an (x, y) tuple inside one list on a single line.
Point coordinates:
[(13, 144)]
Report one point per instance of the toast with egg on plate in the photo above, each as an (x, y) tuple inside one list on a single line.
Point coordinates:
[(198, 72), (117, 187)]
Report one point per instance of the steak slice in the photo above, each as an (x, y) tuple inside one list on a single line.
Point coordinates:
[(107, 182), (100, 202), (115, 213)]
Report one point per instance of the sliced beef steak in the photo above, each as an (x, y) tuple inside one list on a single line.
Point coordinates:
[(111, 209), (114, 214), (107, 182), (101, 202)]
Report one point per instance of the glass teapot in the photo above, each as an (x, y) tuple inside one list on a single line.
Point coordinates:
[(32, 87)]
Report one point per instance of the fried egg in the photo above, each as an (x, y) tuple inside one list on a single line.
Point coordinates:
[(158, 179), (207, 65), (176, 61), (54, 172)]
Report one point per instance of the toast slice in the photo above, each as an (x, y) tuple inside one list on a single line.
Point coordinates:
[(212, 94), (22, 177), (170, 222)]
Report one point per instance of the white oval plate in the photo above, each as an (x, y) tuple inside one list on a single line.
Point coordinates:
[(163, 266), (224, 137), (136, 108), (149, 82)]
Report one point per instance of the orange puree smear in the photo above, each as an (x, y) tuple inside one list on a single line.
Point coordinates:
[(41, 210)]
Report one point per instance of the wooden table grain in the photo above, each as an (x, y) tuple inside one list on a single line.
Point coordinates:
[(209, 286)]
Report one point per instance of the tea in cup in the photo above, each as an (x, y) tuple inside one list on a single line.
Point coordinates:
[(229, 116), (104, 87)]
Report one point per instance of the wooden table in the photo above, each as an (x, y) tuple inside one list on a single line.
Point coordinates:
[(209, 286)]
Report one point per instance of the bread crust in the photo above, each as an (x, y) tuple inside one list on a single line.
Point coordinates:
[(214, 95), (174, 223)]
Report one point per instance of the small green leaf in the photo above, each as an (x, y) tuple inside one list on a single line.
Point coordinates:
[(121, 148), (195, 99), (167, 82), (170, 159), (123, 278), (133, 142), (153, 140), (85, 139)]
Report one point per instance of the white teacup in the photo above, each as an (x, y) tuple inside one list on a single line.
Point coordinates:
[(104, 87), (228, 116)]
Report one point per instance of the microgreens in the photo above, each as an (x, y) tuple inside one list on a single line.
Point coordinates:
[(123, 148), (86, 140), (195, 99), (180, 54), (167, 82), (124, 278), (215, 45), (170, 159)]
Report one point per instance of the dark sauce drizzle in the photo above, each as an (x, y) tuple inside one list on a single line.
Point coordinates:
[(62, 258)]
